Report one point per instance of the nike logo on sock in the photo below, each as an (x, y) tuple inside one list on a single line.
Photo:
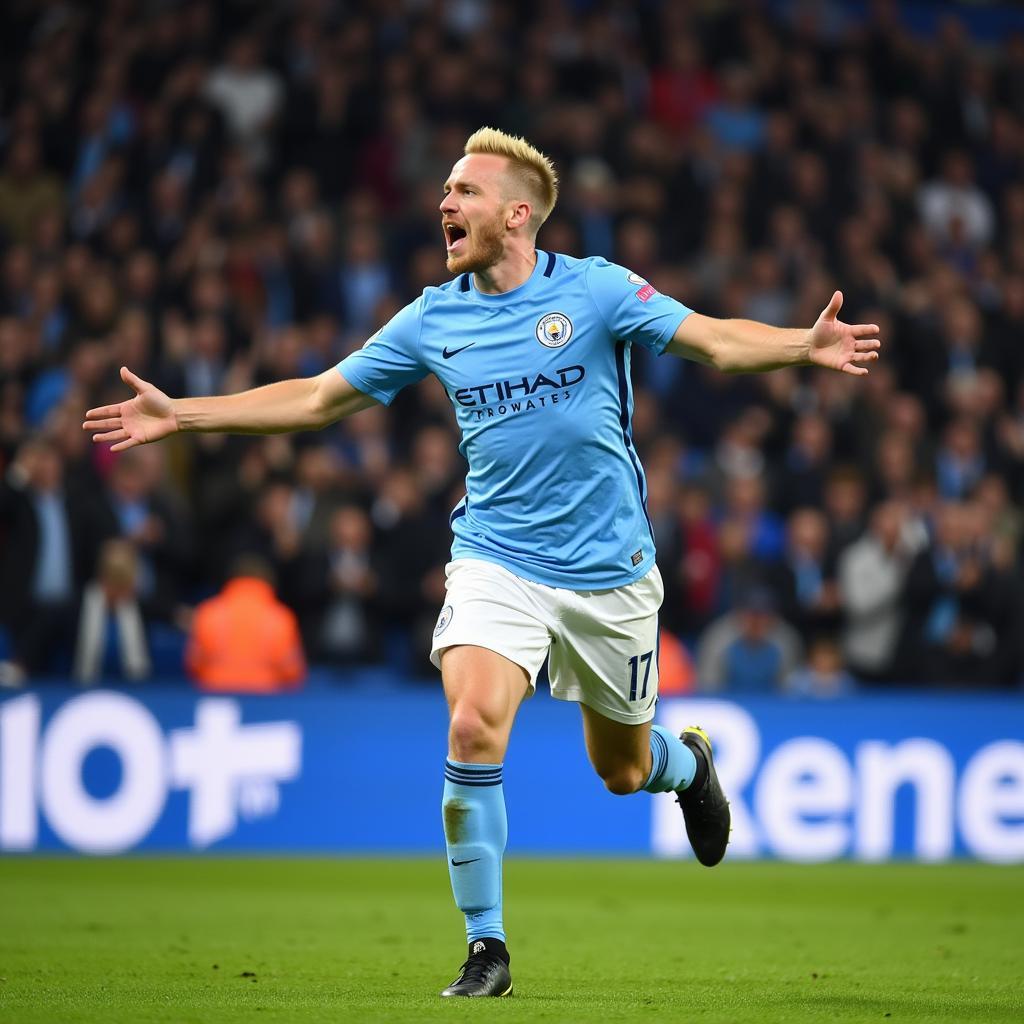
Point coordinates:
[(459, 863), (455, 351)]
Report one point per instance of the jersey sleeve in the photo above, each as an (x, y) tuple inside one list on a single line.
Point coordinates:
[(390, 359), (631, 308)]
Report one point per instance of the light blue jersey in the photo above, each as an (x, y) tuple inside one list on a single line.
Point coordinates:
[(539, 379)]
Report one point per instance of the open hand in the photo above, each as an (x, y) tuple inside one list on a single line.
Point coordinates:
[(148, 416), (840, 346)]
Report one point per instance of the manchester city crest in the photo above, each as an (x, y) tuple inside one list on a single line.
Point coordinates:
[(443, 619), (554, 330)]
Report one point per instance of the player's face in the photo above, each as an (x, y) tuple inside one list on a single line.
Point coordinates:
[(473, 213)]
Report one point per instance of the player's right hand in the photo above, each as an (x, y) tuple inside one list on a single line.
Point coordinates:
[(148, 416)]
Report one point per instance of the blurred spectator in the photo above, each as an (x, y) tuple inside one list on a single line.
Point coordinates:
[(317, 494), (111, 642), (51, 534), (960, 603), (953, 208), (244, 640), (272, 528), (700, 562), (746, 504), (27, 191), (681, 88), (844, 504), (807, 462), (733, 119), (201, 367), (365, 277), (412, 550), (348, 632), (823, 676), (249, 95), (808, 594), (960, 461), (750, 650), (872, 573), (151, 517), (593, 194)]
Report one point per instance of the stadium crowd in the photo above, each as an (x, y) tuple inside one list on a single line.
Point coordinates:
[(223, 194)]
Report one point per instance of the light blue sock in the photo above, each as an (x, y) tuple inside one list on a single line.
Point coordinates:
[(475, 832), (673, 764)]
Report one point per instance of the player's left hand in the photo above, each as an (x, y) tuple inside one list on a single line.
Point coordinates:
[(839, 346)]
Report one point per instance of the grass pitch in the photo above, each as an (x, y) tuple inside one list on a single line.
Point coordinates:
[(218, 940)]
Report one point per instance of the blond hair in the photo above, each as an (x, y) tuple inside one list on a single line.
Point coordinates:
[(530, 167)]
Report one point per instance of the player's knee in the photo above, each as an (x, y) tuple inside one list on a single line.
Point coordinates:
[(623, 779), (471, 737)]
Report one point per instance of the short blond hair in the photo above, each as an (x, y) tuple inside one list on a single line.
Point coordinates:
[(531, 168)]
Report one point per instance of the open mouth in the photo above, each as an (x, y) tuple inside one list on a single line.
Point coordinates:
[(454, 235)]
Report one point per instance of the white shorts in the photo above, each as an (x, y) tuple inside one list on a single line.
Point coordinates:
[(602, 645)]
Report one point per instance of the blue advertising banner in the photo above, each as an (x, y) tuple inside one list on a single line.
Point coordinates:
[(161, 768)]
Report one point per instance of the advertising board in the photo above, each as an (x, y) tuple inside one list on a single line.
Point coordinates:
[(871, 778)]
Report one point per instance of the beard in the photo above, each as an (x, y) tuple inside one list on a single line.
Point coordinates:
[(486, 249)]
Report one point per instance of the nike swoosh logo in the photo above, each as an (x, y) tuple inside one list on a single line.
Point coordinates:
[(459, 863), (455, 351)]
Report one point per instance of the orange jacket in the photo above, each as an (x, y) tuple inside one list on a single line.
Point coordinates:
[(676, 674), (245, 641)]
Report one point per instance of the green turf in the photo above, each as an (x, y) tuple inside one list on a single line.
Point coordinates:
[(212, 940)]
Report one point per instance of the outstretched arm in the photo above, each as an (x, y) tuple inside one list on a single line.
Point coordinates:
[(745, 346), (304, 404)]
